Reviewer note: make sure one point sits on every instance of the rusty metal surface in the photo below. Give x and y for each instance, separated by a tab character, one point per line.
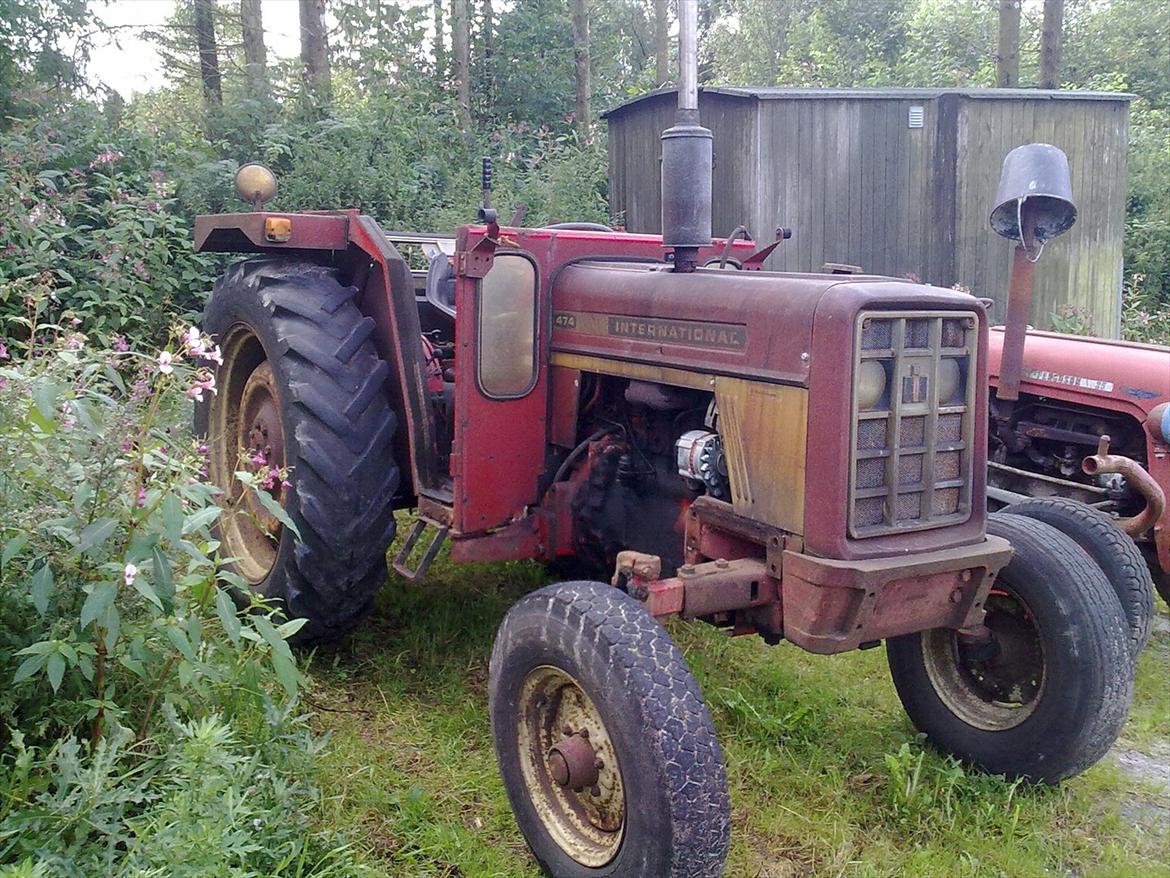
1106	374
831	606
523	538
244	232
1135	475
720	586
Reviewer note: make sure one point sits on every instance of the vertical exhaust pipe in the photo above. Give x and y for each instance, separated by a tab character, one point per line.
687	155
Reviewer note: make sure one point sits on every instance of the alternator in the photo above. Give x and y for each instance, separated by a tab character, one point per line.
699	454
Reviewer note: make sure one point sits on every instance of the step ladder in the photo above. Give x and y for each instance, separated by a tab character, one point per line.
402	559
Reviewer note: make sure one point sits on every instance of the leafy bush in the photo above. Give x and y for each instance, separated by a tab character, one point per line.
1143	318
99	222
151	726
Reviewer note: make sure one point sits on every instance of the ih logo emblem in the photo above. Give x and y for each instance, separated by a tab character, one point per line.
915	386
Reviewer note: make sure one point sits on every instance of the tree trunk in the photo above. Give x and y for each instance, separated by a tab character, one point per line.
440	41
255	55
489	63
461	49
208	53
581	53
1007	68
315	51
661	43
1051	37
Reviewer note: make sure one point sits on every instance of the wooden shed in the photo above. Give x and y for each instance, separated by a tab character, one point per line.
897	181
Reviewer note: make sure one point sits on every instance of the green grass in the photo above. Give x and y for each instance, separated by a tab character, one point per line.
827	776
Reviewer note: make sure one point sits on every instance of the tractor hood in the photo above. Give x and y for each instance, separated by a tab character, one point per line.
1127	375
755	324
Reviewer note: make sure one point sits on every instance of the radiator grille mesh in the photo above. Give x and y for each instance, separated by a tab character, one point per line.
911	454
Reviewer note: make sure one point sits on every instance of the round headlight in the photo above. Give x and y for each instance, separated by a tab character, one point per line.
1159	422
871	384
949	378
255	184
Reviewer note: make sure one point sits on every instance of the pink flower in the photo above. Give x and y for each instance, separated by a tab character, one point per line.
204	381
165	361
108	157
120	345
258	459
130	572
140	501
270	479
3	351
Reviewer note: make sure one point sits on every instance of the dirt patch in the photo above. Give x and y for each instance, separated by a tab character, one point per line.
1152	768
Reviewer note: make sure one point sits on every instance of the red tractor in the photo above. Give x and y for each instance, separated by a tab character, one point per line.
1080	427
801	457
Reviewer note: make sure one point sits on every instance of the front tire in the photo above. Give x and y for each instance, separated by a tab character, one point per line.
301	389
1047	696
607	751
1111	549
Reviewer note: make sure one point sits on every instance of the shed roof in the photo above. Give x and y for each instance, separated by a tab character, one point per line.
771	93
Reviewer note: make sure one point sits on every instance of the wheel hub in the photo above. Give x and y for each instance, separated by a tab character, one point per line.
570	767
994	681
573	762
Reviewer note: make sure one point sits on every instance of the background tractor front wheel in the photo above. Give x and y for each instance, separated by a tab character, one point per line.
301	392
607	751
1046	695
1111	549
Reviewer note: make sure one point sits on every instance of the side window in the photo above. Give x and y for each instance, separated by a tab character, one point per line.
507	327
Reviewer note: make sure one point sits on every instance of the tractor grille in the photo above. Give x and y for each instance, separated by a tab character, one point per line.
913	401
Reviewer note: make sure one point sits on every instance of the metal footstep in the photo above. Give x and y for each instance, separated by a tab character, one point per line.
401	560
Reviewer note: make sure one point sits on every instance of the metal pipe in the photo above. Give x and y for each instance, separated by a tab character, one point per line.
688	55
1019	308
1135	475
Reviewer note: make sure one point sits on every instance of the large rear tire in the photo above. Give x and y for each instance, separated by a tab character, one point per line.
302	389
1047	695
1111	549
607	751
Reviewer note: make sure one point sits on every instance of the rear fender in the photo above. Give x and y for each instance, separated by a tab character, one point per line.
356	245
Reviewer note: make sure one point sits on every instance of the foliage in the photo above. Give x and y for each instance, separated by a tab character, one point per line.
150	725
98	221
1143	318
36	60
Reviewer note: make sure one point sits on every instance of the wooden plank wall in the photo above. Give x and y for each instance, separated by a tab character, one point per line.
857	185
635	153
852	180
1082	268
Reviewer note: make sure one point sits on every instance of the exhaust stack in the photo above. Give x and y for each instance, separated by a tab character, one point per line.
687	156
